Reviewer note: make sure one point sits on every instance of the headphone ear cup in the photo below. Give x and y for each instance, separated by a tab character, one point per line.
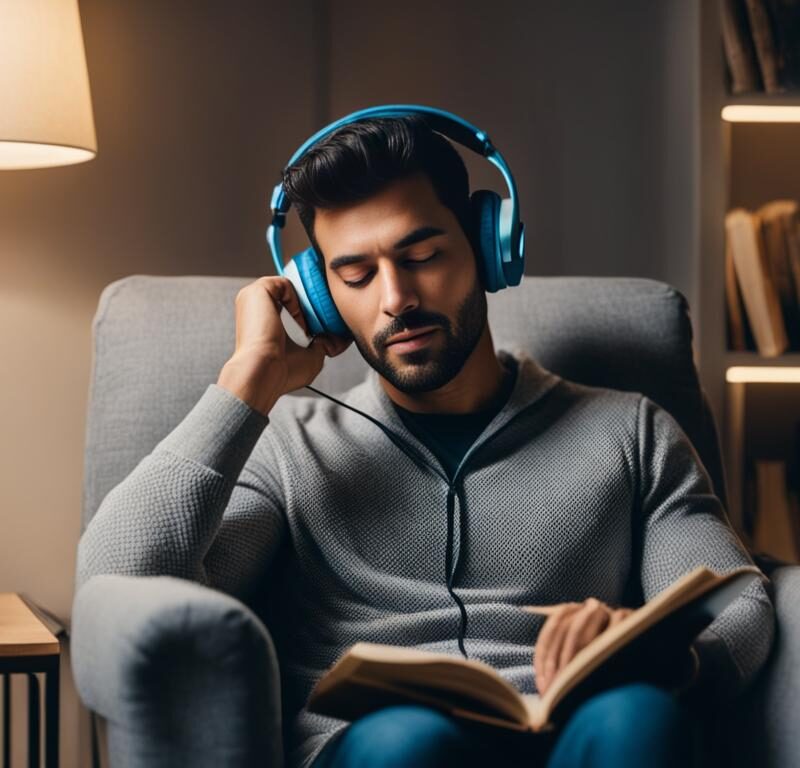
485	212
305	274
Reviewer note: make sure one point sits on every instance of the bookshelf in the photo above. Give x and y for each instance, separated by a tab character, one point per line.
767	99
753	359
755	417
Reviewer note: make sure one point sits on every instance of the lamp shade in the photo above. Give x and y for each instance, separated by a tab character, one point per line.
45	103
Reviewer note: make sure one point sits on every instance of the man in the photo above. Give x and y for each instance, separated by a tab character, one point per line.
518	487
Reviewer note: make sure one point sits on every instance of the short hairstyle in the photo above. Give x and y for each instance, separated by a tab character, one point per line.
360	158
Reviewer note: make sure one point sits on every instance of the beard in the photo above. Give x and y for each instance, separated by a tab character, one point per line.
426	369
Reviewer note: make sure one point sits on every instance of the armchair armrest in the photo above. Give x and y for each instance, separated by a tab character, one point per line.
184	674
763	730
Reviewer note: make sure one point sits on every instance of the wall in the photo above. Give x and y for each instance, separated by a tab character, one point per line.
592	104
764	163
197	107
195	111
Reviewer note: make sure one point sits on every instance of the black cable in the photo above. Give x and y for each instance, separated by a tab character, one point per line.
449	574
410	451
418	458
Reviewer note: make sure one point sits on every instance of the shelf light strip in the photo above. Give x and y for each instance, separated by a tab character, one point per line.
769	374
760	113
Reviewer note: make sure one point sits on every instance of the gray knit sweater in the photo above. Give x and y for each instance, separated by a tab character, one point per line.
570	492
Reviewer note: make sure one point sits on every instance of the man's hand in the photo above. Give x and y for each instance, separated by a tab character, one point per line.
569	628
267	363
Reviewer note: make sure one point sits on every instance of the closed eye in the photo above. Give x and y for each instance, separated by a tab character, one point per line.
363	280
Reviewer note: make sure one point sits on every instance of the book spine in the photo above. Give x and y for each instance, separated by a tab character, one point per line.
735	325
761	302
738	47
764	44
777	258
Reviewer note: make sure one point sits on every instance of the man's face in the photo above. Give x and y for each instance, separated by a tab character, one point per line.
415	271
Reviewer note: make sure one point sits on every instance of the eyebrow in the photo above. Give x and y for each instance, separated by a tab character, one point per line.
419	234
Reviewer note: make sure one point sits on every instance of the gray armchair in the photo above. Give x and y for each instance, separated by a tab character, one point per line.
179	674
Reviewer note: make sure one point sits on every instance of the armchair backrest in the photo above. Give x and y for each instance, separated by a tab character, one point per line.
159	342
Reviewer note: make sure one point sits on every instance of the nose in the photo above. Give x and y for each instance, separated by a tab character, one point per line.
398	291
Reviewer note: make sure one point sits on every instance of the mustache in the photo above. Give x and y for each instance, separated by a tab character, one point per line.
411	322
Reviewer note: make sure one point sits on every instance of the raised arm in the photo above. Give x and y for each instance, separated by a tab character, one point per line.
206	504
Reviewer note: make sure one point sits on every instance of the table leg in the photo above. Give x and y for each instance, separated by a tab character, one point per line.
6	720
33	721
51	714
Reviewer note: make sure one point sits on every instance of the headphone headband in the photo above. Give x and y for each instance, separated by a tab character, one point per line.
439	120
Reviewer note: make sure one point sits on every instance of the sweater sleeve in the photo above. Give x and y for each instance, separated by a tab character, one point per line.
203	505
683	525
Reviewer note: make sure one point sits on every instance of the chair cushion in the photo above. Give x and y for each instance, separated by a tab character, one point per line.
159	341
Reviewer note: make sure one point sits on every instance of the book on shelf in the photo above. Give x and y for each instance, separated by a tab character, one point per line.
740	334
651	643
777	515
784	16
764	40
754	276
779	224
739	49
761	43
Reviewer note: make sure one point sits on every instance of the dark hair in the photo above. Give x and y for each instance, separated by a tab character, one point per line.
359	159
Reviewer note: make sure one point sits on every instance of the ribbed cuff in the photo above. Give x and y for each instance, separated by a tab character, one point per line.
219	432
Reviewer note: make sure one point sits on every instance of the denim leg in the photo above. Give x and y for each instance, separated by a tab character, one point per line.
631	725
422	737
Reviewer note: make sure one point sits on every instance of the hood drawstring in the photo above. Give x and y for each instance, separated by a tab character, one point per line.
450	575
453	489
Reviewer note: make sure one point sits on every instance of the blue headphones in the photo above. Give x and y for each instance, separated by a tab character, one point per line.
498	230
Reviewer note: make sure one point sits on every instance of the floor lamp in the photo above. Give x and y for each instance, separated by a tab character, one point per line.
45	120
46	113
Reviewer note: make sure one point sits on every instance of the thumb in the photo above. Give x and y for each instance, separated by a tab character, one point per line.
320	344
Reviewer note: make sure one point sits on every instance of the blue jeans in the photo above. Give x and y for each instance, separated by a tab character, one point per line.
632	725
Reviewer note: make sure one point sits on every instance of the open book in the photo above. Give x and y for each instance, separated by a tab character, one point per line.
370	675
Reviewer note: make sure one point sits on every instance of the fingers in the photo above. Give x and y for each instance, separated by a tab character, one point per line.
322	344
568	629
331	345
618	615
548	643
283	293
334	345
584	627
285	296
556	643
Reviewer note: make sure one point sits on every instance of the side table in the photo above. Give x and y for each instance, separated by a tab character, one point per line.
29	644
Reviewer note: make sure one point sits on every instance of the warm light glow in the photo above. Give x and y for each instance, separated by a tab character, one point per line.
46	115
766	373
760	113
23	154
